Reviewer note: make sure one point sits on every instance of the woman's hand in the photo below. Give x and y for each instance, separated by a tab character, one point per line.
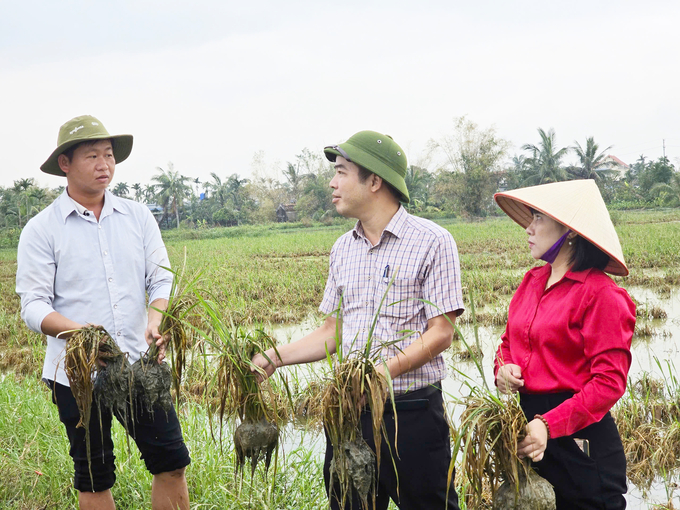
534	444
509	378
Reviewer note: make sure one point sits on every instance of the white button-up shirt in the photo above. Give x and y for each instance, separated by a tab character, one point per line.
89	271
423	259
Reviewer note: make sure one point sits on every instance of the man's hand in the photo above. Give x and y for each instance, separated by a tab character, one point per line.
535	442
152	333
509	378
268	368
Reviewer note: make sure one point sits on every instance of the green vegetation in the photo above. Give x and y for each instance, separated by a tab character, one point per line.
455	177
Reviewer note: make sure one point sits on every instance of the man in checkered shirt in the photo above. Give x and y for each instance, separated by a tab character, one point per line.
420	260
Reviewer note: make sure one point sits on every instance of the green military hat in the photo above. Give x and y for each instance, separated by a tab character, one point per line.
376	153
83	129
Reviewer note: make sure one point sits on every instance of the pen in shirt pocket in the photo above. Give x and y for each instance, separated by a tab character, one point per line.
386	274
427	268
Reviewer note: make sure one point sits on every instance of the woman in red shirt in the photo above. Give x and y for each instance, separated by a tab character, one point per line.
566	347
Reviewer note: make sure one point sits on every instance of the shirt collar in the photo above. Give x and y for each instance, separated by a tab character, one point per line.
396	225
67	205
543	274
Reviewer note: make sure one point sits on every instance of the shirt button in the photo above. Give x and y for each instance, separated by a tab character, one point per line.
369	277
115	307
118	334
110	279
368	304
100	227
106	252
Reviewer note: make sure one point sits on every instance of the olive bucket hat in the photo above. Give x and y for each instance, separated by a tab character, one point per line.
376	153
83	129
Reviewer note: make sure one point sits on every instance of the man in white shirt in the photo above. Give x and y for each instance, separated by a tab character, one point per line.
91	258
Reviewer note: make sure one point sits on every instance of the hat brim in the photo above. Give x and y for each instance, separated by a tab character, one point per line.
372	164
519	210
122	147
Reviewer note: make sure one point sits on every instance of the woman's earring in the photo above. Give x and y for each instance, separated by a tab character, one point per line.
570	243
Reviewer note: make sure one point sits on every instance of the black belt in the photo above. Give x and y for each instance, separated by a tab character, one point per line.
414	400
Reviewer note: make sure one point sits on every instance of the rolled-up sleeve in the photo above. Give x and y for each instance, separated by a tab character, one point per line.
442	291
35	277
331	295
158	274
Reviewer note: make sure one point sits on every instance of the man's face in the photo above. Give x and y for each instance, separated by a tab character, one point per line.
91	168
350	195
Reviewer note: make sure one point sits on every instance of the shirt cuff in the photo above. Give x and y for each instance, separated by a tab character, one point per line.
160	292
35	314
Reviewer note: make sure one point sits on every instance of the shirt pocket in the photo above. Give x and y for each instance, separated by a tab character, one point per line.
401	298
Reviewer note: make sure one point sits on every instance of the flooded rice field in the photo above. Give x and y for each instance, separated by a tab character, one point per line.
656	351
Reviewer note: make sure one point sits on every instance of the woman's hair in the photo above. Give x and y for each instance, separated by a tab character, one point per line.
586	255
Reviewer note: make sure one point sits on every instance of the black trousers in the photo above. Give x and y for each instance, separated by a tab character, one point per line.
424	456
595	481
158	437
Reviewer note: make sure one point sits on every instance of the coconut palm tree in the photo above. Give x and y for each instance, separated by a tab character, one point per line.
545	160
149	193
137	188
591	163
668	192
121	189
295	180
172	189
217	188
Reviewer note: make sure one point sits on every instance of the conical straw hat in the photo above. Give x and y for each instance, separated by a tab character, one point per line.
575	204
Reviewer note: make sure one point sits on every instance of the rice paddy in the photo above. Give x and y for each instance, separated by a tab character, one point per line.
263	281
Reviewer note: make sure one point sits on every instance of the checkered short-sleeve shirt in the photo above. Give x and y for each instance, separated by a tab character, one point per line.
423	259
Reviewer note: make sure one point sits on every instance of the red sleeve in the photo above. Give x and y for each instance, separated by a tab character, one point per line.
503	355
607	329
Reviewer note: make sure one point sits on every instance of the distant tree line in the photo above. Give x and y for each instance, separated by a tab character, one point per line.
456	176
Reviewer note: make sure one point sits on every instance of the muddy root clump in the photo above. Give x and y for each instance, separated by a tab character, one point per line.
113	385
153	381
255	440
355	464
533	493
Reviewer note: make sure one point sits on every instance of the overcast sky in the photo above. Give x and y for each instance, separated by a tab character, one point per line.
207	84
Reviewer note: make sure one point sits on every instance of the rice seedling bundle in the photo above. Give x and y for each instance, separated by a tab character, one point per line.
490	428
259	407
97	368
356	382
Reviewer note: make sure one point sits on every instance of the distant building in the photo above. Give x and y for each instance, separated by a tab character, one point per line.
611	162
286	212
157	212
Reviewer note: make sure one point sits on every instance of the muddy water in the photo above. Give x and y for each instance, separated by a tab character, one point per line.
663	345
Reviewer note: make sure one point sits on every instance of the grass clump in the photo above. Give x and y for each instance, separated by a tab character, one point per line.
648	418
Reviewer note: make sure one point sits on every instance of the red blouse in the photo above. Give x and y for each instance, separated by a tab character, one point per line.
573	337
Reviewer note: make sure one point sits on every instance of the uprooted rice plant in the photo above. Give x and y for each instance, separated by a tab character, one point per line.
97	369
261	408
355	382
486	438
